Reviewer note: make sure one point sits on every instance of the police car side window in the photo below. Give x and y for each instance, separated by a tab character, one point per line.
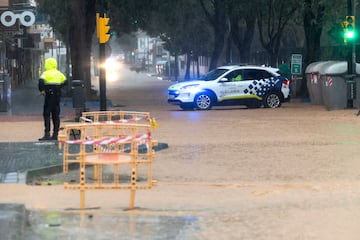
265	74
249	74
256	74
234	76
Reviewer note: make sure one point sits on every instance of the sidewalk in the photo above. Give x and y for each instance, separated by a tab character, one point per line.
21	127
21	151
26	104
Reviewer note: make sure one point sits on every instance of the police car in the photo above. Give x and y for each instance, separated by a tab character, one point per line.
252	86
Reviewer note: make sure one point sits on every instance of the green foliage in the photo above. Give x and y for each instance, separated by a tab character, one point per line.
243	23
272	18
202	27
74	21
336	33
178	24
128	16
59	12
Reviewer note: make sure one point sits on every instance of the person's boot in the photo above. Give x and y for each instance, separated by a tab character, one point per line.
45	137
54	136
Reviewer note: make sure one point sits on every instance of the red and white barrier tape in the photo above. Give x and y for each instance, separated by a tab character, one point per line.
111	140
136	119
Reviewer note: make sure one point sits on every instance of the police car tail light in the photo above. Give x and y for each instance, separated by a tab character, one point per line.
286	83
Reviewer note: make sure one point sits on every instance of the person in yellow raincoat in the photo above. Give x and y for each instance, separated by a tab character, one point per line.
50	83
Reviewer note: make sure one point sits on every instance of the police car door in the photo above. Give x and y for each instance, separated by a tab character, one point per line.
230	86
254	85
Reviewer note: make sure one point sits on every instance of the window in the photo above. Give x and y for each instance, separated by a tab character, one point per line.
236	75
256	74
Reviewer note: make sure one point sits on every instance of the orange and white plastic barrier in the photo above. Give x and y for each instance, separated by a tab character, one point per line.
118	117
118	144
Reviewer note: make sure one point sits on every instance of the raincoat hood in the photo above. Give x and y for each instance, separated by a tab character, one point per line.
50	64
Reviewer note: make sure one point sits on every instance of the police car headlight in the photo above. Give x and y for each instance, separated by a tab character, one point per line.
191	88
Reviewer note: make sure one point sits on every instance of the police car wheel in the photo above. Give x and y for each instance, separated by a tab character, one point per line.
272	100
203	101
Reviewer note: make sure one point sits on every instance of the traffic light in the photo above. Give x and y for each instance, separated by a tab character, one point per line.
349	28
102	28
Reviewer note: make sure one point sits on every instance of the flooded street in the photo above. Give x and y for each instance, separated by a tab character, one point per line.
228	173
111	225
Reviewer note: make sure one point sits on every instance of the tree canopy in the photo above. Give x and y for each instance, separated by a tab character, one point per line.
199	27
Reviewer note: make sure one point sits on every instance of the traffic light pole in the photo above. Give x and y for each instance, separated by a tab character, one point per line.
102	77
351	61
351	51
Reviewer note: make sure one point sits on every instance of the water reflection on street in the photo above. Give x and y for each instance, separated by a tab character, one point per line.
97	225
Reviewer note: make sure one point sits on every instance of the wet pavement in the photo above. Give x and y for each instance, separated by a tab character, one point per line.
212	185
12	221
95	224
110	225
19	159
24	104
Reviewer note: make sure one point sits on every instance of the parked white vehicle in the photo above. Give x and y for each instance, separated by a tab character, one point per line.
252	86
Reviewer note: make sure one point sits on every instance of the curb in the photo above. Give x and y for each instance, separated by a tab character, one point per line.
55	169
32	173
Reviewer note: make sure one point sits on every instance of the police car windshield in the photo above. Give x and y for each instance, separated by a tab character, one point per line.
214	74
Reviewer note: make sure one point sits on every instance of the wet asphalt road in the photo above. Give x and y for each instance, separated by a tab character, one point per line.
228	174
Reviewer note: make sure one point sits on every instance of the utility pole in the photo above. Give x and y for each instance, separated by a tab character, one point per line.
103	35
351	52
351	59
102	77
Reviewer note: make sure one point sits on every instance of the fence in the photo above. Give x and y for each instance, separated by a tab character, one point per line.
116	139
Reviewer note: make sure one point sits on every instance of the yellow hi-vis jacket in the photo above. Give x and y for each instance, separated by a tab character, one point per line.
51	80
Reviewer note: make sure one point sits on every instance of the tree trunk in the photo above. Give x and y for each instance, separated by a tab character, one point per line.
220	23
313	29
176	70
80	43
197	67
218	49
188	62
243	43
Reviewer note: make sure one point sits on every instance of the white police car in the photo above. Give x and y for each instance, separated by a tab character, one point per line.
252	86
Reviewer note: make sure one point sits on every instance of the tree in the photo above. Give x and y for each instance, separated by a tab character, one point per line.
129	16
272	18
75	21
313	19
316	13
177	24
168	22
216	12
243	22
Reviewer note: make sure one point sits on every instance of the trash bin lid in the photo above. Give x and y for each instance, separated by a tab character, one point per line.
316	66
333	68
310	67
330	67
320	65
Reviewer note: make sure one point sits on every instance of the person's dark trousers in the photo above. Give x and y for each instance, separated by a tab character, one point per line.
51	110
